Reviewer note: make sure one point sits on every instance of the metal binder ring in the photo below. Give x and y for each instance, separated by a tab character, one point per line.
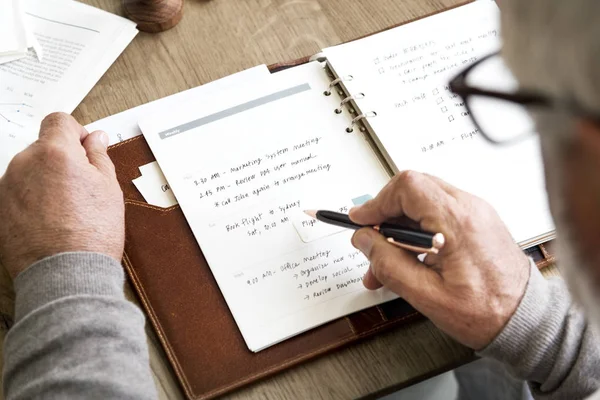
370	114
346	100
335	82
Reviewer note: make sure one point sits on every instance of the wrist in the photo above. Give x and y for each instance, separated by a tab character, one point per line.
67	274
41	246
530	334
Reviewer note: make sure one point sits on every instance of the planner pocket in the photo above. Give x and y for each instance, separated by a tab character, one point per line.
187	310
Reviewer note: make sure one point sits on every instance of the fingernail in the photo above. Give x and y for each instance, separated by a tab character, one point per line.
104	139
363	242
353	210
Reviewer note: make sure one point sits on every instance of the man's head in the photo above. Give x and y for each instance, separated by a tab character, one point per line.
553	47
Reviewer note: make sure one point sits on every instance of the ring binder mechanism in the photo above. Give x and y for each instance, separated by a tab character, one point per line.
334	82
349	100
369	114
346	100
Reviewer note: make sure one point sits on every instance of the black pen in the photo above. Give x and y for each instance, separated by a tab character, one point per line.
406	238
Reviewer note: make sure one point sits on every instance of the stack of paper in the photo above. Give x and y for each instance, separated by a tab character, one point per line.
16	36
80	43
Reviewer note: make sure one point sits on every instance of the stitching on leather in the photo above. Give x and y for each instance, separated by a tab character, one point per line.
303	357
175	361
383	316
177	366
351	325
157	326
114	146
150	206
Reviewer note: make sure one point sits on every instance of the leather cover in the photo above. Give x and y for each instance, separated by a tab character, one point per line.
185	306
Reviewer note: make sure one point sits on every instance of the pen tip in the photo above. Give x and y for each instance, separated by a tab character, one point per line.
311	213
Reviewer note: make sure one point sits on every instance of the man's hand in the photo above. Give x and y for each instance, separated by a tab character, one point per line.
60	194
473	286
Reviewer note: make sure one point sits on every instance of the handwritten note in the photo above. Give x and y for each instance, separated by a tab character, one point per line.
310	229
259	174
415	63
404	75
244	167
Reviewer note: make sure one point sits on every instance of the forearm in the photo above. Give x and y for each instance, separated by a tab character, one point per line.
75	334
549	343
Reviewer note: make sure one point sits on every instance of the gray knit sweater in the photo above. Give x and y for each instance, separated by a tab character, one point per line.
76	336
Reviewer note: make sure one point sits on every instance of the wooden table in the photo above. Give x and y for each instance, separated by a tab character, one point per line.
217	38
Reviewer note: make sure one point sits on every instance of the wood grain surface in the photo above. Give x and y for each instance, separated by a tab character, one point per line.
219	37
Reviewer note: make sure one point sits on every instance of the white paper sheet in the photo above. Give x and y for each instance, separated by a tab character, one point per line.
243	168
404	74
80	43
124	125
154	187
12	29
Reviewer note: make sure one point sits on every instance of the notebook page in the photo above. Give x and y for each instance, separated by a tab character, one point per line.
243	167
421	125
124	125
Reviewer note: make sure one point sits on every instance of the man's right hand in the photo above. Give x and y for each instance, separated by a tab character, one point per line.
473	286
59	195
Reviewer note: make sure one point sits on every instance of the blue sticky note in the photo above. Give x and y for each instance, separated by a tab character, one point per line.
357	201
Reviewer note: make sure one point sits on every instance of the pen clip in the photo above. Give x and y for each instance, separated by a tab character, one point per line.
416	249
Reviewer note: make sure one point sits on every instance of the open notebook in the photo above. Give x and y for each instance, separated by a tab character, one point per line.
245	164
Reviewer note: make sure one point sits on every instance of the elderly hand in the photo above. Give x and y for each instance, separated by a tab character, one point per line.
473	286
58	195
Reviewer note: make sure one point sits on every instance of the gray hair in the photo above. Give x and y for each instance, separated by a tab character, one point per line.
554	46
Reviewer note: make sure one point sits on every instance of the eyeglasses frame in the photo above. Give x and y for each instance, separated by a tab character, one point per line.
459	86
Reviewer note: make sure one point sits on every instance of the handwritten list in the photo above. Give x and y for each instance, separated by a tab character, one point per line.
404	74
259	175
243	182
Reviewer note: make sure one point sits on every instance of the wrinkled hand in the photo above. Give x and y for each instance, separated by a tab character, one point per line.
473	286
60	194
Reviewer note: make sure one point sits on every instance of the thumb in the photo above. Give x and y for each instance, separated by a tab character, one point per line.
397	269
95	145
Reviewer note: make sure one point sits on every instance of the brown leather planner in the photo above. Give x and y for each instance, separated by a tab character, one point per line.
188	312
184	305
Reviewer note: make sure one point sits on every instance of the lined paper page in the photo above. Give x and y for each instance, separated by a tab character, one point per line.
404	75
243	167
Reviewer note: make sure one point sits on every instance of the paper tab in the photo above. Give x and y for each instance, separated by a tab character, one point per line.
154	187
310	229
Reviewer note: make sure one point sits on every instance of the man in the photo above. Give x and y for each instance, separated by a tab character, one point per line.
61	239
62	235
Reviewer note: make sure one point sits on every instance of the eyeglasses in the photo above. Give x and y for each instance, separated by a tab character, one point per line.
502	112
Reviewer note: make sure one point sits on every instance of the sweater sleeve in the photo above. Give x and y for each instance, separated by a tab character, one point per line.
75	334
549	343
